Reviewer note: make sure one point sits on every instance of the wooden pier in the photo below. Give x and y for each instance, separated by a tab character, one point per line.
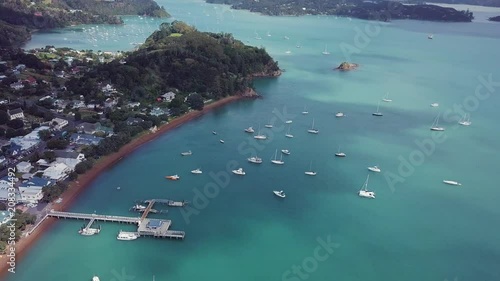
145	227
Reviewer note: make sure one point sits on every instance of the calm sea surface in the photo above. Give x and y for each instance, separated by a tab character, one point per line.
416	229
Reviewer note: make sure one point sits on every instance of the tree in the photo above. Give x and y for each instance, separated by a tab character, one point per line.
195	101
78	116
57	144
2	132
49	156
15	124
45	135
4	117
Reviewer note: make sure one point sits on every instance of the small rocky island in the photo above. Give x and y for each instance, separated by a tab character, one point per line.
345	66
497	19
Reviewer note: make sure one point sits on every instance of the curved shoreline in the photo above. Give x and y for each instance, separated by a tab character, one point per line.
83	181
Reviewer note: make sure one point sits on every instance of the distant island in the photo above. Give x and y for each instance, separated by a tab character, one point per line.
19	18
486	3
373	10
497	18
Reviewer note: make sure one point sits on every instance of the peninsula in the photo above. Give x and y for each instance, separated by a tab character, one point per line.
67	115
497	18
370	10
19	18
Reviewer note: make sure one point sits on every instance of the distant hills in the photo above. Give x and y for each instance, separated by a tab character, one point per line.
488	3
373	10
19	17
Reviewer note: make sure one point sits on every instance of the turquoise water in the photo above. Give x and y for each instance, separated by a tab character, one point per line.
416	229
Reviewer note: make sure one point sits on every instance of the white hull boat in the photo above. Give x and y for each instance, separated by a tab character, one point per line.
187	153
339	114
127	236
279	193
434	104
465	121
249	130
239	172
255	160
276	161
364	192
285	151
435	125
452	182
196	172
375	169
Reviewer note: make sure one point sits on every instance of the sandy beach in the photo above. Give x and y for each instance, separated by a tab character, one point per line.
76	187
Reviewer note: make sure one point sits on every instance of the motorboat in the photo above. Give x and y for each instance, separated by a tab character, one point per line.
279	193
430	36
95	278
452	182
139	207
186	153
288	121
239	172
434	104
250	130
285	151
260	137
127	236
173	177
118	188
214	132
268	126
339	114
364	192
255	160
196	171
375	169
221	141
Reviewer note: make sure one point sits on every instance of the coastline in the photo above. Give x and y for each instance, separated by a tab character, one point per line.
83	181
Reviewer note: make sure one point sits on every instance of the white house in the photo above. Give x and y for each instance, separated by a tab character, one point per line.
16	114
30	195
168	97
60	123
23	167
56	172
17	85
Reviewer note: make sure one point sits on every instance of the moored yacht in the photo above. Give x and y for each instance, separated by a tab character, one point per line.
312	130
339	114
255	160
452	182
465	121
339	153
363	192
173	177
186	153
435	125
276	161
221	141
239	172
377	113
268	125
375	169
310	172
386	98
285	151
434	104
249	130
95	278
288	121
279	193
127	236
196	171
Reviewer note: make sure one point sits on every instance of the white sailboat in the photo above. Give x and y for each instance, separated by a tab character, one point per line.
377	113
257	36
310	172
312	130
363	192
435	125
339	153
268	34
386	98
298	46
288	134
249	130
276	161
260	136
465	121
325	52
305	111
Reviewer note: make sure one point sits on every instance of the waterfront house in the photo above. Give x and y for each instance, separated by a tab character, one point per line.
110	102
16	113
56	172
59	123
159	111
168	97
36	183
85	139
23	167
92	128
17	85
30	195
131	121
69	154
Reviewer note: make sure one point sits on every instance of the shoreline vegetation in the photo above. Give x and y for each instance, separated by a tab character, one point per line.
76	187
19	19
497	19
205	70
376	10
